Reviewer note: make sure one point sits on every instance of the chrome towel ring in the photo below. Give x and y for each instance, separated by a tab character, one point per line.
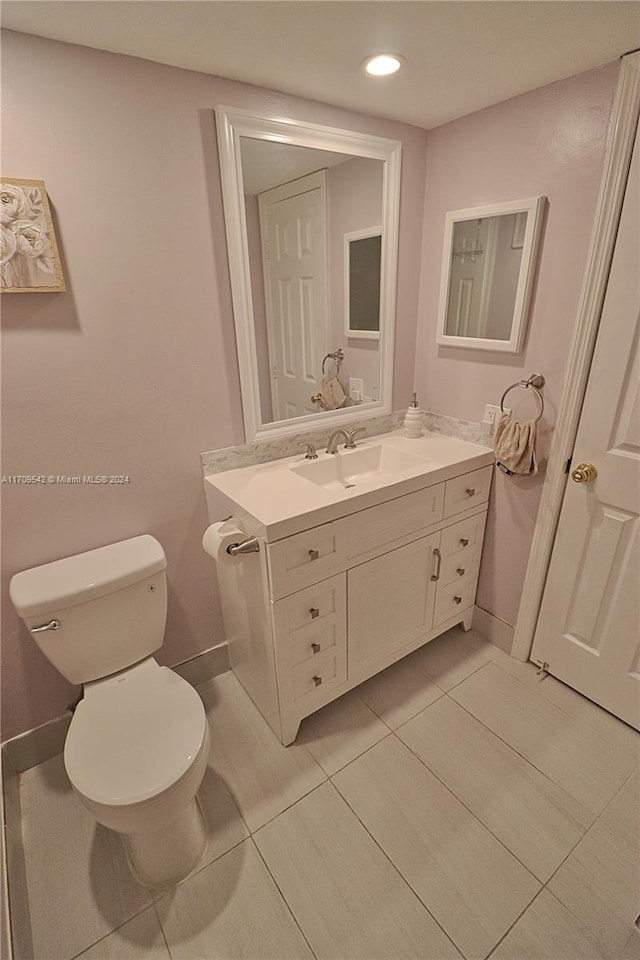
337	356
535	381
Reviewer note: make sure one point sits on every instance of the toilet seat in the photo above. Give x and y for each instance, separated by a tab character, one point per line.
134	735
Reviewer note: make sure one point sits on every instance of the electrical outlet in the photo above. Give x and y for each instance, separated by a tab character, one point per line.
492	413
356	389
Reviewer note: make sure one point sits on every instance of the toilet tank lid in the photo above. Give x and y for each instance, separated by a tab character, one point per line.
85	576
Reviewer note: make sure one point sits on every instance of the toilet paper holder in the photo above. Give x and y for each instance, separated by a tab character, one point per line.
250	545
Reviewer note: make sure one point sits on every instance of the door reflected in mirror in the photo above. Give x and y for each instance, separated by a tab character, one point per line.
487	276
314	327
300	205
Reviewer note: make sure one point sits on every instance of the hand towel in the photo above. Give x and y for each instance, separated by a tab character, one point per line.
515	446
333	396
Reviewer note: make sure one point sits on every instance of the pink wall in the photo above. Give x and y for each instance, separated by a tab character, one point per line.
133	370
551	142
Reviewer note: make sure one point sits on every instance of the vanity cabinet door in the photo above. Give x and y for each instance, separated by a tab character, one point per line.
390	602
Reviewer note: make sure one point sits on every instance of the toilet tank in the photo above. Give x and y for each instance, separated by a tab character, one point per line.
110	603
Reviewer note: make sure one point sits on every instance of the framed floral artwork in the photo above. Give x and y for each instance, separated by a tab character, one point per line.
29	259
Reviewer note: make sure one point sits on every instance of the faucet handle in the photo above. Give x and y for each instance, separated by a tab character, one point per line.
311	450
351	434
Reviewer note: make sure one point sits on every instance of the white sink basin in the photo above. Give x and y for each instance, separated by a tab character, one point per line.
379	464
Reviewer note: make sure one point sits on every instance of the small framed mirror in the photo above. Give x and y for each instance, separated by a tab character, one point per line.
362	253
488	271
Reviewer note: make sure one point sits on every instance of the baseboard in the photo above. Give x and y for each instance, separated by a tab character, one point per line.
38	745
46	741
16	919
493	629
205	665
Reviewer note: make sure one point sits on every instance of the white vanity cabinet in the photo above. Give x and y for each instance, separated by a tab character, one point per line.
318	612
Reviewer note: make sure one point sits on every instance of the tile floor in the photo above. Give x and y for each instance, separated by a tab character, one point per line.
454	806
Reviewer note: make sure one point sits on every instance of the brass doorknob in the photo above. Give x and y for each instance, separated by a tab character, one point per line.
584	473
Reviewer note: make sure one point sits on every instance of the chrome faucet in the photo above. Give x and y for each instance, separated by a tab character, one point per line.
350	444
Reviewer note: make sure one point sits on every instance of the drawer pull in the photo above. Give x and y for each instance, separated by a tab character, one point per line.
457	599
315	613
314	554
317	680
438	556
460	571
470	491
315	647
464	541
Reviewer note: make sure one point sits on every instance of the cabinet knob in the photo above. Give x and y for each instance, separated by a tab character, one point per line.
464	541
457	599
470	491
315	613
460	571
315	647
314	554
317	680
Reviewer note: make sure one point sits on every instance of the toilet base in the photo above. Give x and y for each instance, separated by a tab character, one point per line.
162	858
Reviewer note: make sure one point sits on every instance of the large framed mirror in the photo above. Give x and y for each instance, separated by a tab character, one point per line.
292	193
488	270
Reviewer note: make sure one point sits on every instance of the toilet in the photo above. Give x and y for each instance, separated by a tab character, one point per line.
137	747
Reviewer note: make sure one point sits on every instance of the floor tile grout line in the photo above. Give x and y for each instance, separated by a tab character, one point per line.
395	868
581	715
164	936
357	757
469	810
587	832
368	706
203	866
288	806
284	899
530	762
517	920
441	693
115	929
423	671
585	709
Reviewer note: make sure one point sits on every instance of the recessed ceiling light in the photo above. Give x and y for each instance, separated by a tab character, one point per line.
383	64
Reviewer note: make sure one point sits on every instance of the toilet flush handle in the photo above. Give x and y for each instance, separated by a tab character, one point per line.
52	625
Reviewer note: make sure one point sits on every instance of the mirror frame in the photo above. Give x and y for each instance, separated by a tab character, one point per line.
232	124
534	207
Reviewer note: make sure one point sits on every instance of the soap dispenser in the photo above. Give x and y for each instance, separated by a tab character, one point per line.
414	420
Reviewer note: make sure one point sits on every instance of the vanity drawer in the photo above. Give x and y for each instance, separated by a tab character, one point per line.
310	643
469	490
386	524
455	568
452	598
463	539
306	558
312	681
315	617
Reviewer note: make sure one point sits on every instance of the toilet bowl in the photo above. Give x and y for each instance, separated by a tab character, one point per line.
135	754
137	747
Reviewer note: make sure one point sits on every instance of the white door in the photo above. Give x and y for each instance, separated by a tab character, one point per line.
589	625
471	277
293	229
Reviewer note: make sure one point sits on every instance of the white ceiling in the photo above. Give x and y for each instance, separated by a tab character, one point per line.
462	54
266	164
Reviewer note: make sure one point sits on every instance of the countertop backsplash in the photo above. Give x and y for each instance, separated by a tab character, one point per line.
263	451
